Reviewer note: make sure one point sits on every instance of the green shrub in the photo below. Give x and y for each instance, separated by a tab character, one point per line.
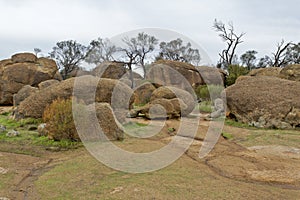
59	119
205	106
234	72
205	92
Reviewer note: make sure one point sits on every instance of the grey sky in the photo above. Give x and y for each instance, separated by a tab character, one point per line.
26	24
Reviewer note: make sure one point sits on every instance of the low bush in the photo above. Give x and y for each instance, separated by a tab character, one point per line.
59	119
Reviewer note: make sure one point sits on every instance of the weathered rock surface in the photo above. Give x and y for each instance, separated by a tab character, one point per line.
23	69
183	75
267	102
25	92
173	93
291	72
47	83
89	89
166	102
107	121
270	71
142	93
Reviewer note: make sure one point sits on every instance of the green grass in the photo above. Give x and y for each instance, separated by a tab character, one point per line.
231	122
28	138
205	106
273	137
227	136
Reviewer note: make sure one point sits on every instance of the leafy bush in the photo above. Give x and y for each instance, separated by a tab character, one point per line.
205	92
234	72
59	119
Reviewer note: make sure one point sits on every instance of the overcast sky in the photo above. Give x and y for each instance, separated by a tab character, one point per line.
26	24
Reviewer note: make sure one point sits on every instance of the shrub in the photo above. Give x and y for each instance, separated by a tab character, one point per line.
234	72
205	92
59	119
205	106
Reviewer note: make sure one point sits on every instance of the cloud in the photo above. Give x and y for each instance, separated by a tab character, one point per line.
27	24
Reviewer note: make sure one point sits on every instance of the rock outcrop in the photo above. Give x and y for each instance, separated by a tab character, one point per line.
270	71
183	75
166	102
89	89
23	69
290	72
25	92
142	93
263	101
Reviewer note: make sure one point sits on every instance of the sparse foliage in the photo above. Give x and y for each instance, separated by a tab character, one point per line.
37	51
280	58
231	39
234	72
69	54
103	51
293	54
177	51
248	59
145	45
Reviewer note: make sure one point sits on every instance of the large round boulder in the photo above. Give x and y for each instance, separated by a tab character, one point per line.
24	93
96	120
142	93
170	93
23	69
263	101
183	75
89	89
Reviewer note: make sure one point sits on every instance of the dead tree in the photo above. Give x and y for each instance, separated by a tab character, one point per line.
232	40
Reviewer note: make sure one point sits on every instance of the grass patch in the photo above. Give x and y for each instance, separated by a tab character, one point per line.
205	106
273	137
234	123
27	140
227	136
32	138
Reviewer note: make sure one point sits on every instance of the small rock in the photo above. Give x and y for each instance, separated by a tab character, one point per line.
13	133
42	130
3	171
2	128
117	189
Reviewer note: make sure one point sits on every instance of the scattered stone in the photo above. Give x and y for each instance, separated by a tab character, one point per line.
41	129
13	133
2	128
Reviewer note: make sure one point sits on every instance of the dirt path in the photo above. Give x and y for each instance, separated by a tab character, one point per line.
271	165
